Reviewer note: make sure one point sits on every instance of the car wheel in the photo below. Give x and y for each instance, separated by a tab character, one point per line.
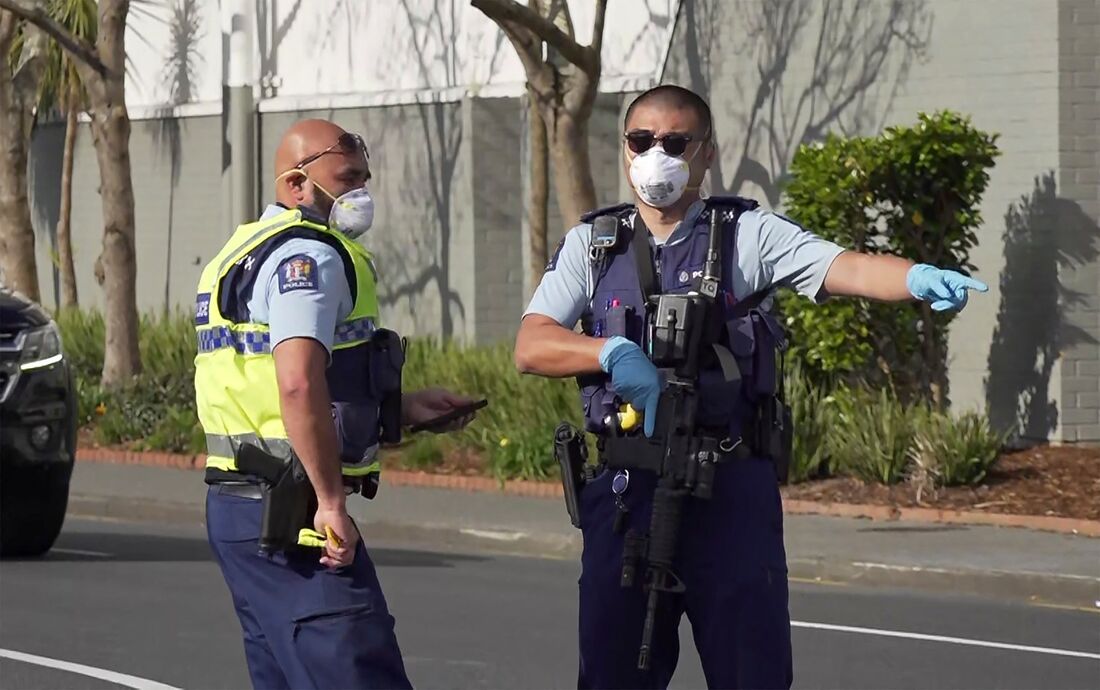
31	514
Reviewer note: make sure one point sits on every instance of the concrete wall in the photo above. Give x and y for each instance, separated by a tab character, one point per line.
423	234
429	201
176	167
784	72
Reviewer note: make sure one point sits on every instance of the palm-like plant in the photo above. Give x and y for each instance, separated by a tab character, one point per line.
61	89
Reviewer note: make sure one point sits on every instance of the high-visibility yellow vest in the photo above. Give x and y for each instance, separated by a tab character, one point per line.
235	387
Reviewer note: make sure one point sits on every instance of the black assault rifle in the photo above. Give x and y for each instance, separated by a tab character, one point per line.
684	462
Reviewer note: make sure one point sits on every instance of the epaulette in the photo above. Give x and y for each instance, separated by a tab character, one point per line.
739	203
606	211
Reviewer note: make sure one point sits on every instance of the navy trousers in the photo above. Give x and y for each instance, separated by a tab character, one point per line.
732	561
304	626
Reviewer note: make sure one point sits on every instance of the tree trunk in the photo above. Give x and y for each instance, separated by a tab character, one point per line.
111	135
64	220
17	260
121	359
572	170
18	94
540	188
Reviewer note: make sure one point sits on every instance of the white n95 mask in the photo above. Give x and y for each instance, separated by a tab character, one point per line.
352	213
658	178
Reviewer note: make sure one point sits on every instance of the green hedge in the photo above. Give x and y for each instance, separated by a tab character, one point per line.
912	191
841	430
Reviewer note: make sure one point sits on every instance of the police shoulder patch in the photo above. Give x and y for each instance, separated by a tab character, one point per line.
553	263
298	273
202	309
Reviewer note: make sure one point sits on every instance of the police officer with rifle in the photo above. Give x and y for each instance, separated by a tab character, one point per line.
681	368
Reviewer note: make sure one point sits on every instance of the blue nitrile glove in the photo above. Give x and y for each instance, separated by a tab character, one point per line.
944	289
635	378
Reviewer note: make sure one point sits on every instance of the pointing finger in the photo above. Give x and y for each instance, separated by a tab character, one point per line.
973	284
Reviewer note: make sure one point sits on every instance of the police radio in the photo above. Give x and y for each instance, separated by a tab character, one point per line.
605	235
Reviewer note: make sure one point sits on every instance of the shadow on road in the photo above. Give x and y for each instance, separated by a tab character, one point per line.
145	548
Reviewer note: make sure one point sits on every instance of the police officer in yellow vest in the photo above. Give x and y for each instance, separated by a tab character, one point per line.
286	365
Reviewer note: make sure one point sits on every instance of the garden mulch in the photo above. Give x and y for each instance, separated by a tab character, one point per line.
1052	481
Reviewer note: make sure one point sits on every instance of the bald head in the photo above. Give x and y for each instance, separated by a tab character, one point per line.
333	171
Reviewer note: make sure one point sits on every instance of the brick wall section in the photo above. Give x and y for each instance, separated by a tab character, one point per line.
1079	192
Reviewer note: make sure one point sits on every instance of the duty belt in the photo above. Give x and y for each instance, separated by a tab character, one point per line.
640	453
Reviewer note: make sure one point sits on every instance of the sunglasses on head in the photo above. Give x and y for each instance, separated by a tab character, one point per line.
347	143
674	144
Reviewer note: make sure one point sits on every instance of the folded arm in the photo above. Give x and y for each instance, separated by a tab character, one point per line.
545	347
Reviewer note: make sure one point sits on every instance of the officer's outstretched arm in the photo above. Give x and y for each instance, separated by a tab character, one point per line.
875	276
894	279
546	348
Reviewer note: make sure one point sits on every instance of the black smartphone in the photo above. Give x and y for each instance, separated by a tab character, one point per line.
442	420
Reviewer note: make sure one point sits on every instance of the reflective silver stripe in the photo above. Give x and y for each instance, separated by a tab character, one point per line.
269	227
226	446
369	456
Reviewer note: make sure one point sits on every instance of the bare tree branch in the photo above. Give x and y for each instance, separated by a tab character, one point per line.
79	49
597	29
528	48
502	11
7	31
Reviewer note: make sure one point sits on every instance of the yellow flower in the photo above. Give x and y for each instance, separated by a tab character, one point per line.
101	409
504	442
917	219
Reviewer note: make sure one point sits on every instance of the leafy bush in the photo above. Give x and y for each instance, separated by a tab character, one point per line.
954	451
814	416
156	411
871	435
915	192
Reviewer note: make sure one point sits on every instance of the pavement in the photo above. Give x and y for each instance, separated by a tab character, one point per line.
992	562
131	604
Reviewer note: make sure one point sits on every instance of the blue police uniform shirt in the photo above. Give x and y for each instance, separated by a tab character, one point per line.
770	251
300	290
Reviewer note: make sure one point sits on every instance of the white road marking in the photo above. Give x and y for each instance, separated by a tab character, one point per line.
498	535
90	671
943	638
922	569
81	552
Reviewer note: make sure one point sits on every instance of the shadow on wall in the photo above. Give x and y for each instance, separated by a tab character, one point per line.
409	271
1044	235
782	73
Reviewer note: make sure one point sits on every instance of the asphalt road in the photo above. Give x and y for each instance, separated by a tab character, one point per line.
146	601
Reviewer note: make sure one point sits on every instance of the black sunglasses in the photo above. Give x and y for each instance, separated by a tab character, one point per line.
347	143
641	140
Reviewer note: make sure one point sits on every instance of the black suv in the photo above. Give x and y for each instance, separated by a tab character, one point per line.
37	427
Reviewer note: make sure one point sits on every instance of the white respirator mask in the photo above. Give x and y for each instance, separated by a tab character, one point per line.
352	213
